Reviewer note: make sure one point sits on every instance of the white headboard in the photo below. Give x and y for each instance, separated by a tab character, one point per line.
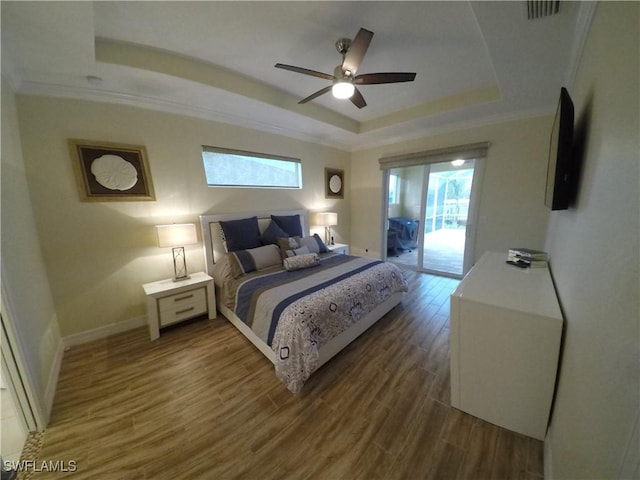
212	232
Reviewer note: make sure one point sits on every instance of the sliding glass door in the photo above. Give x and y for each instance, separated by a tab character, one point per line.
429	216
446	217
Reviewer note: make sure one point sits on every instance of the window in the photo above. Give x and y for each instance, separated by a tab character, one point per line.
235	168
394	189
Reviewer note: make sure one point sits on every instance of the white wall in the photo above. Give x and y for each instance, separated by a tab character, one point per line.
24	277
99	254
512	207
595	261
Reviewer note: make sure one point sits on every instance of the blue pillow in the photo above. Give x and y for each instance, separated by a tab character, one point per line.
241	234
289	223
272	233
321	246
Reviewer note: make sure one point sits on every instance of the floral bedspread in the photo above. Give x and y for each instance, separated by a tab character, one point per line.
305	309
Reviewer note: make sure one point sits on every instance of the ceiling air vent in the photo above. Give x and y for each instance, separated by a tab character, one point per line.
542	8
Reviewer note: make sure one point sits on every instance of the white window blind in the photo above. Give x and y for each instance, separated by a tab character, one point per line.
462	152
236	168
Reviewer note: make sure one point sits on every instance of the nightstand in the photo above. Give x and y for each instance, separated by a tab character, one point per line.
169	302
342	248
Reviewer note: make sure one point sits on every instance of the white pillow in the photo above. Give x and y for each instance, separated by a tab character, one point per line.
245	261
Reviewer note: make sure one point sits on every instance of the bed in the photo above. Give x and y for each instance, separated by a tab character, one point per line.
297	302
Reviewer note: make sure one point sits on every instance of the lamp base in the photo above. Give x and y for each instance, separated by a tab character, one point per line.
181	279
328	239
179	265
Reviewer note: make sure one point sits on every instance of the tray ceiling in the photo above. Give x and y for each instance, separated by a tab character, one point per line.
475	61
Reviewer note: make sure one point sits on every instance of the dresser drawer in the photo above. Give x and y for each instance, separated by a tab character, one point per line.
180	306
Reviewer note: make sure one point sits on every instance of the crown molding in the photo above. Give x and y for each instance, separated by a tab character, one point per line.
167	106
358	142
453	127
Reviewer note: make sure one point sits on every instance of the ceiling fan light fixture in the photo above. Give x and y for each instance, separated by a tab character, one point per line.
342	89
344	78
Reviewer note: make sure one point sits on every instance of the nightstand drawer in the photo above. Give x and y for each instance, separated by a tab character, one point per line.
181	306
173	302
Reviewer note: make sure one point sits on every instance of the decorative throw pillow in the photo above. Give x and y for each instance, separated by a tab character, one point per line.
245	261
287	244
314	244
241	234
272	233
297	251
301	261
289	223
323	248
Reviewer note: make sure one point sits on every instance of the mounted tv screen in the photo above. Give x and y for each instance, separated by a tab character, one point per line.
560	168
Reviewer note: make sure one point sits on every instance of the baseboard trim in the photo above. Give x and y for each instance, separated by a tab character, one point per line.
103	332
77	339
54	373
546	456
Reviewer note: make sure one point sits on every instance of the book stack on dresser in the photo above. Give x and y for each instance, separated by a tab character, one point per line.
527	258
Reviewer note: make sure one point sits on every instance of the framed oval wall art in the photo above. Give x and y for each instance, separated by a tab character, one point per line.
334	183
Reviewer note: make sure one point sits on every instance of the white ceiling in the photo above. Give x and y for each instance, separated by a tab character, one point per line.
476	62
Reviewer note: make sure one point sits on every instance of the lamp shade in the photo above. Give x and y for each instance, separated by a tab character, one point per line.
326	219
176	235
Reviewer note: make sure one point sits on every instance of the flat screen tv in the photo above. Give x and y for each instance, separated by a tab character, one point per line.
561	156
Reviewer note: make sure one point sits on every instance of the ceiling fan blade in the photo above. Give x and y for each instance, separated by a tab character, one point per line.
389	77
304	71
316	95
355	54
357	99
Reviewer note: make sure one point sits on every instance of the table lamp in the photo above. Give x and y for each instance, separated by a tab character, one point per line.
177	236
327	220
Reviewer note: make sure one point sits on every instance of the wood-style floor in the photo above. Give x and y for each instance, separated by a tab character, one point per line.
203	403
443	252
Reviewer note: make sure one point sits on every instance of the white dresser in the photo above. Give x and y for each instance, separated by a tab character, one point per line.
506	327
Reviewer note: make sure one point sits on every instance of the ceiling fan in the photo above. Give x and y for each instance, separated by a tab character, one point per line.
344	76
